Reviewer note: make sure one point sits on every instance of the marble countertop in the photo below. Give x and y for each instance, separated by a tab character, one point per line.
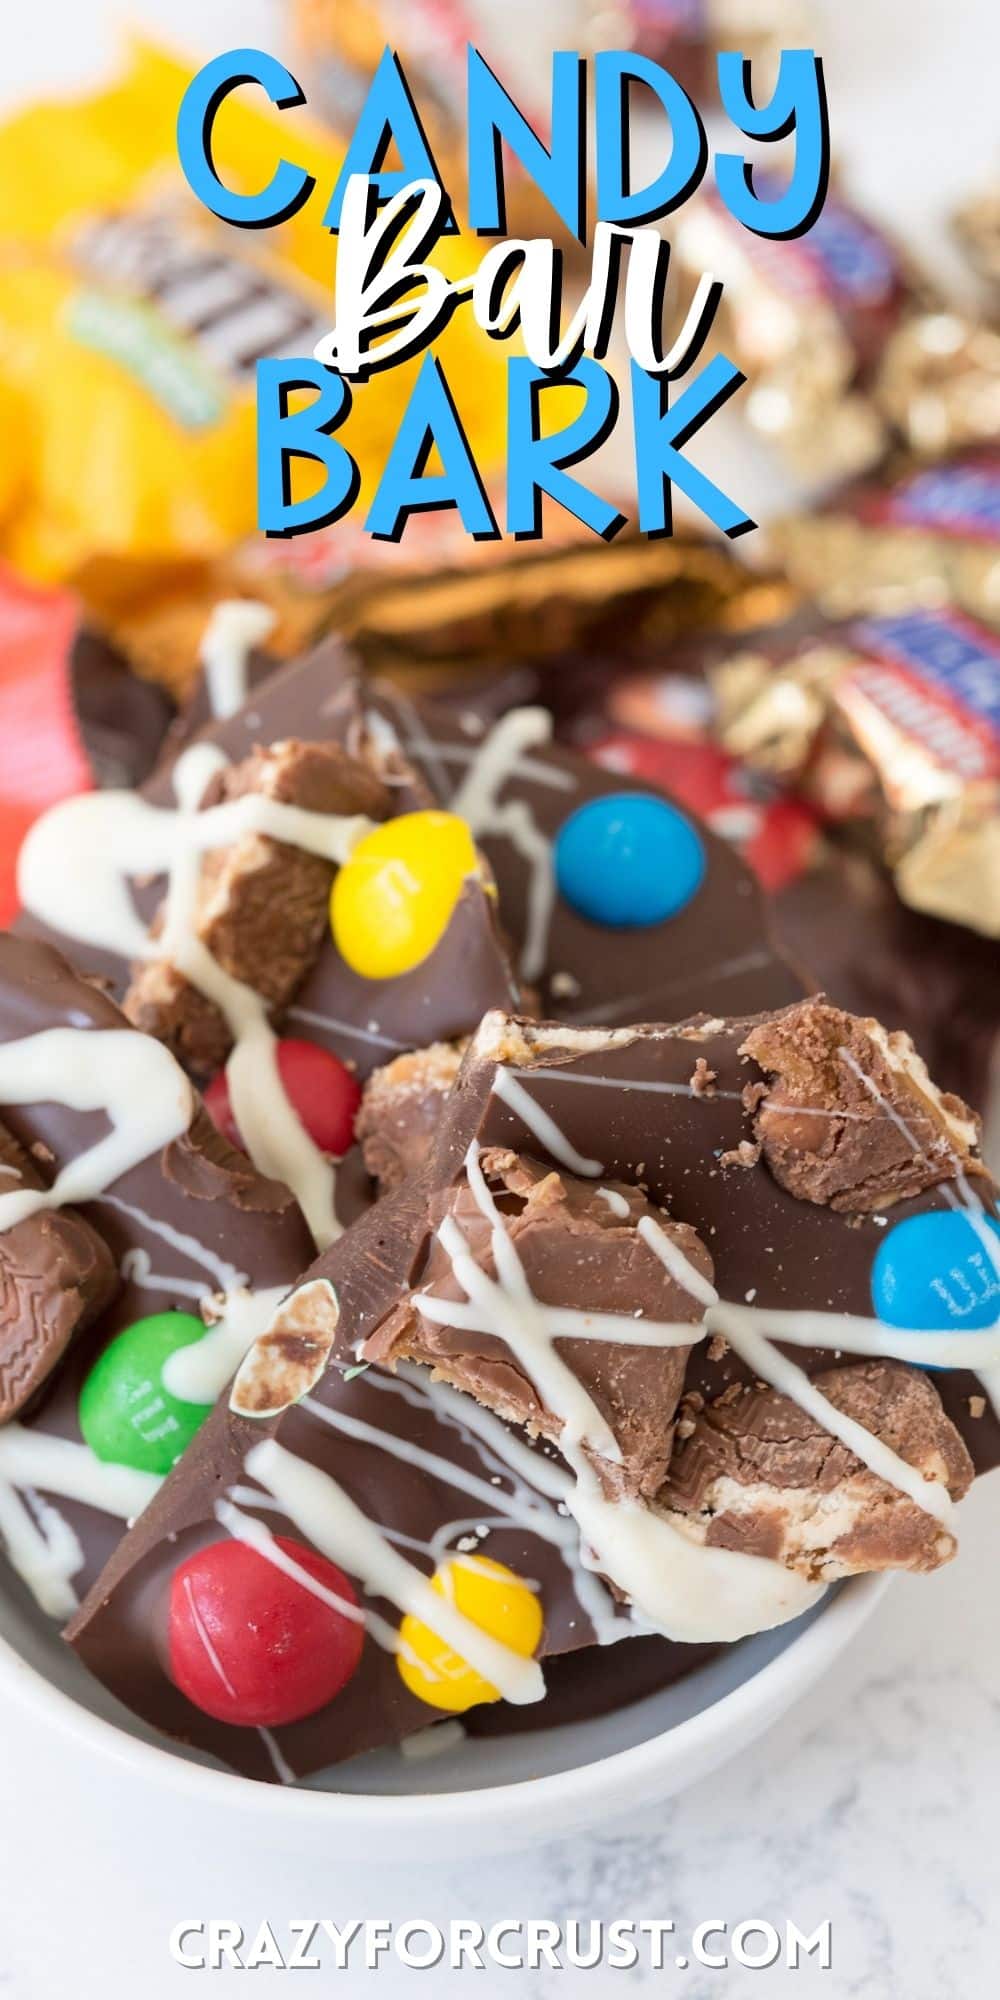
872	1804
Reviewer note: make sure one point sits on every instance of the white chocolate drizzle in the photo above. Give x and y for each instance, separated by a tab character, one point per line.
198	1373
135	1081
539	1122
335	1526
236	625
41	1545
477	801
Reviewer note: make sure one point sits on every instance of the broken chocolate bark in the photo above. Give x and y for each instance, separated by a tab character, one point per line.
579	1248
789	1144
579	1255
189	1224
714	952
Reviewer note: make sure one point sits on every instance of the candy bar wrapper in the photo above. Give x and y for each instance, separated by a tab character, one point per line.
919	535
938	385
72	714
977	227
342	41
808	320
890	724
131	324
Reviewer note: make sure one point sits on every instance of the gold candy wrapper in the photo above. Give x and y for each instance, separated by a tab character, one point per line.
939	384
977	226
808	321
925	535
891	728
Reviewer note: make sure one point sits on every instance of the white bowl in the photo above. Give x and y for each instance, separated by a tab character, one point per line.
552	1781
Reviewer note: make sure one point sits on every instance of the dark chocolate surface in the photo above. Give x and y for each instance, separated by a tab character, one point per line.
714	954
630	1105
198	1189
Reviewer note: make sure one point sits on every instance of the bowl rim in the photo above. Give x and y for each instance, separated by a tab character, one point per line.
748	1708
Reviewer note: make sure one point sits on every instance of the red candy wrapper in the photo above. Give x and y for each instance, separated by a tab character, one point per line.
44	758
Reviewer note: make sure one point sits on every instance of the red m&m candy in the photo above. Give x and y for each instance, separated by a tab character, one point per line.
250	1644
325	1094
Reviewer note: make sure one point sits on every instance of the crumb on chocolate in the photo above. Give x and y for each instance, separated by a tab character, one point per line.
702	1080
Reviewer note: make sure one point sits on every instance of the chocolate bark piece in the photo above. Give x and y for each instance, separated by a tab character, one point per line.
631	1100
323	701
122	719
400	1109
56	1275
262	905
753	1471
623	1098
714	953
400	1450
178	1228
578	1247
851	1117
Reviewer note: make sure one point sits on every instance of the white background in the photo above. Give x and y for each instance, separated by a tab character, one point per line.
875	1803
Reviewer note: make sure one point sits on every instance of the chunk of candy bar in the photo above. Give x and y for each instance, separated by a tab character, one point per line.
755	1472
156	1220
550	1258
400	1110
56	1275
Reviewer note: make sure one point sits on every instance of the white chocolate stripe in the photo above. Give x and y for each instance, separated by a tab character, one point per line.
134	1080
323	1511
540	1124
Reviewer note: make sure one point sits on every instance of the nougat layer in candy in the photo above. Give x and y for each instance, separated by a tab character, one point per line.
816	1161
624	1180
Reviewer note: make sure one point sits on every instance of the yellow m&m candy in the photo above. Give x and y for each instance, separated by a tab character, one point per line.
490	1596
392	901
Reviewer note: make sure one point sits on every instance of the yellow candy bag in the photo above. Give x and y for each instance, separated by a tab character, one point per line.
131	321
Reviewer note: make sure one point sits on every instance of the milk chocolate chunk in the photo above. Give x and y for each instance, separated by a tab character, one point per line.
758	1474
851	1117
321	704
176	1232
593	1237
578	1247
400	1109
262	904
796	1226
56	1275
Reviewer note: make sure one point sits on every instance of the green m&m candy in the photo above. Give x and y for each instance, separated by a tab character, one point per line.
126	1415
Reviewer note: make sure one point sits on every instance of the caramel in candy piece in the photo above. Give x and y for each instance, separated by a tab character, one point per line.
400	1109
752	1471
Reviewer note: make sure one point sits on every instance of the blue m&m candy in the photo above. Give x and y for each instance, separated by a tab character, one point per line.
628	860
934	1273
